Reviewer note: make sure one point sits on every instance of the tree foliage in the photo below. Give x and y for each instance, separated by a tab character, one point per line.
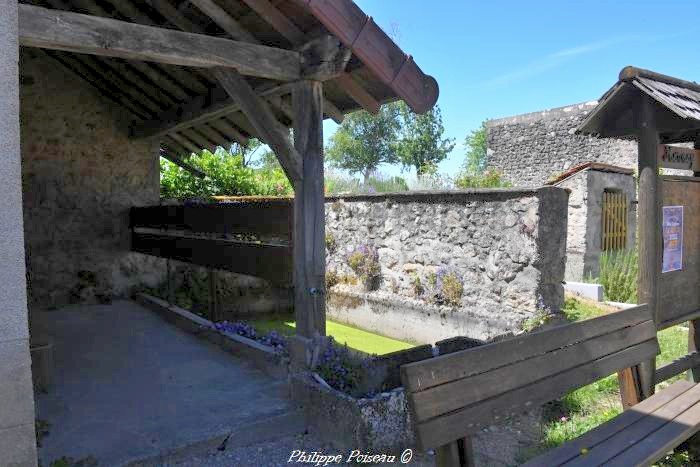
421	144
364	141
227	173
476	143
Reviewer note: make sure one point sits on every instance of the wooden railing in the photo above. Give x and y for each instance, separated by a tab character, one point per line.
252	238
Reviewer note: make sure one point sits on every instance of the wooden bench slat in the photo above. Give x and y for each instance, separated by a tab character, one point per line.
638	431
572	449
464	392
447	428
654	446
423	375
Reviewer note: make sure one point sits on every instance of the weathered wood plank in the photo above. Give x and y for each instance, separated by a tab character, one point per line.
463	392
224	20
694	348
74	32
678	366
420	376
217	103
628	380
262	219
264	121
447	428
270	262
590	439
639	432
277	20
309	217
358	93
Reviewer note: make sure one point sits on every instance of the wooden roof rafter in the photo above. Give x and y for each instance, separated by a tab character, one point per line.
167	86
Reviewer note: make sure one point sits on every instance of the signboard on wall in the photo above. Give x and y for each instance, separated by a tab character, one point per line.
676	157
679	294
673	238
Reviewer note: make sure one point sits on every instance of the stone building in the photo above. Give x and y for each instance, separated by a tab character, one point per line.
533	148
543	147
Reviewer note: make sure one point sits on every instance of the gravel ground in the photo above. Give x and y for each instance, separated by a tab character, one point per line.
277	453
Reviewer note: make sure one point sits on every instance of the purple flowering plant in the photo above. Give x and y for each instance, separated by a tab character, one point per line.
340	368
446	287
364	261
273	339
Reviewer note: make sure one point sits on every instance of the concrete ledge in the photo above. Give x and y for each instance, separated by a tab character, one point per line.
16	400
380	424
583	289
411	320
263	357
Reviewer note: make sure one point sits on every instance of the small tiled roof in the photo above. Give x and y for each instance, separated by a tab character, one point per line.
589	166
679	98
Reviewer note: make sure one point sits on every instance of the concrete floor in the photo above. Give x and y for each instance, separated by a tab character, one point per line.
127	386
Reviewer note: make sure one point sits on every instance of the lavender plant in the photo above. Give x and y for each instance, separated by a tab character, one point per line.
444	287
273	339
364	261
339	368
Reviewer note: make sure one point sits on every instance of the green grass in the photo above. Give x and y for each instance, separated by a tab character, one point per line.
355	338
592	405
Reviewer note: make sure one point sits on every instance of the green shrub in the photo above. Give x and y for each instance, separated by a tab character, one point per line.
451	287
618	275
486	179
364	261
331	242
227	175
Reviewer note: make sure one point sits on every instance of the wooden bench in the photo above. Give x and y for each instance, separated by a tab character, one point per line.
453	396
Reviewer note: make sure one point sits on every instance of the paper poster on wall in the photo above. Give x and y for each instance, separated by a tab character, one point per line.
673	238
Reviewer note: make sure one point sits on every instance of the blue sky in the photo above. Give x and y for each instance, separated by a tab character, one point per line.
495	58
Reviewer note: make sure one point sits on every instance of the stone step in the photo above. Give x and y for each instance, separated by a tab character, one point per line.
254	431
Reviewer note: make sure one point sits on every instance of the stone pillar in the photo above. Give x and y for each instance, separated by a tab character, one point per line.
17	438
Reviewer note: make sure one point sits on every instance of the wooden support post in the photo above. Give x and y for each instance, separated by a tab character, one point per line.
649	225
309	213
629	387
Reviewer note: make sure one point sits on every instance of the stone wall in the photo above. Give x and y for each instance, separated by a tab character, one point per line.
507	245
81	174
532	148
584	233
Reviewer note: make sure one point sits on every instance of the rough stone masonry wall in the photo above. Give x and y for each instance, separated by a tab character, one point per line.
81	174
508	245
532	148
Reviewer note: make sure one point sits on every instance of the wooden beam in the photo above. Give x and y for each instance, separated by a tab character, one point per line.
217	103
309	214
262	119
182	164
358	93
277	20
649	222
74	32
224	20
324	58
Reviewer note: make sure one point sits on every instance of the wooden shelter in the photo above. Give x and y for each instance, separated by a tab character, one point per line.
658	110
203	73
194	74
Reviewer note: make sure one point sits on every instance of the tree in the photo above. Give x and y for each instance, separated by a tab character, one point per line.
421	144
476	143
227	174
364	141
